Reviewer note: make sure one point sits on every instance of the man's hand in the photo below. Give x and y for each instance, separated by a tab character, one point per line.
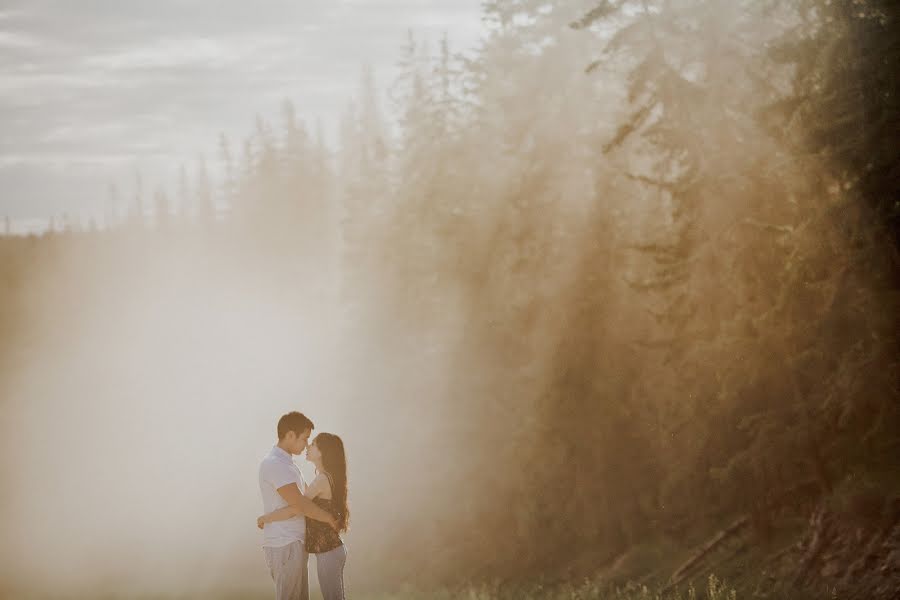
261	521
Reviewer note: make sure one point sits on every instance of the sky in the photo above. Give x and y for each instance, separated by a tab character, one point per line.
94	91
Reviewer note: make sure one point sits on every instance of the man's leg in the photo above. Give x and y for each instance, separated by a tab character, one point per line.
287	565
304	572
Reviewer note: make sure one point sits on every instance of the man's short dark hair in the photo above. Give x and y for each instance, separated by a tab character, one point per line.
293	421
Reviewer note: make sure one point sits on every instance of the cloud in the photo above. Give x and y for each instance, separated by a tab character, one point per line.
166	53
18	41
136	80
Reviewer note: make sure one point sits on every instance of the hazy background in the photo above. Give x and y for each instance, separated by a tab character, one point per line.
581	284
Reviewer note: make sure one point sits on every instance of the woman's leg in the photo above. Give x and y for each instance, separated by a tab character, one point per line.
330	568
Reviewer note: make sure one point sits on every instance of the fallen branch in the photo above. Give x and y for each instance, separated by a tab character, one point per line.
708	547
820	539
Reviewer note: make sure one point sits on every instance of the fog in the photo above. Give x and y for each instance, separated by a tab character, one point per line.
143	379
141	392
137	415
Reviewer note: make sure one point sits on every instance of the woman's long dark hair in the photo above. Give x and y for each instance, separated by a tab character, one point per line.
334	462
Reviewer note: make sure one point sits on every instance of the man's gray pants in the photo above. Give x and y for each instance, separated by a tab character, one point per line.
289	568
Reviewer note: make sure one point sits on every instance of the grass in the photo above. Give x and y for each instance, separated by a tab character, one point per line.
715	589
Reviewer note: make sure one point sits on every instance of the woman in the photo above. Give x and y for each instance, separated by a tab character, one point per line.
329	491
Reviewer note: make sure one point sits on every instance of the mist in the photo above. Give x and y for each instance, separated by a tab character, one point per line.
612	287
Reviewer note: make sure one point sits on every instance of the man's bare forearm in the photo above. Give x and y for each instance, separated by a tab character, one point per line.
303	505
282	514
289	512
310	509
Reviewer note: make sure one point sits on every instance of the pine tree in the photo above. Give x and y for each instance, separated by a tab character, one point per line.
267	157
136	215
186	203
203	193
112	212
296	142
162	210
844	105
229	184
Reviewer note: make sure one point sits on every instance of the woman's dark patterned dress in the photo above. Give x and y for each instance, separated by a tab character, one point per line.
320	537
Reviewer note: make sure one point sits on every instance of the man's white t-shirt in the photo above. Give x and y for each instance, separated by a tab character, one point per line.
276	470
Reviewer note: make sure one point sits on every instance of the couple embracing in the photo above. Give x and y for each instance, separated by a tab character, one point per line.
303	519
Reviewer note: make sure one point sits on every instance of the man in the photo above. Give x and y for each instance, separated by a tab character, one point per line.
281	484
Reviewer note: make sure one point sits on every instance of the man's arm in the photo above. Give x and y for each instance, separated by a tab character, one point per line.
289	512
303	505
282	514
